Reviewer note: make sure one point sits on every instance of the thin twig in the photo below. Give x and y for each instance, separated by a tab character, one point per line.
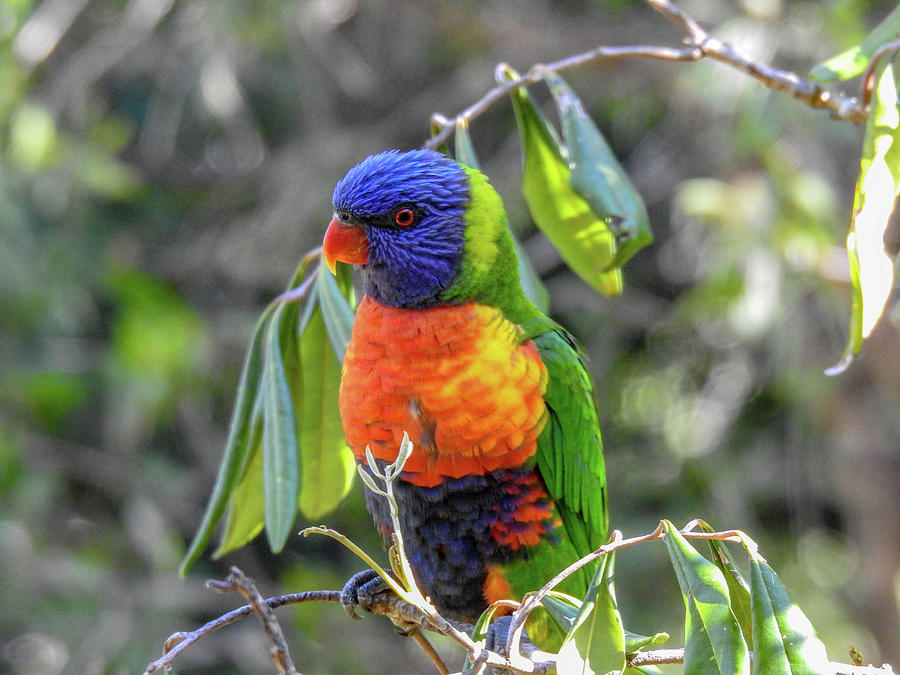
429	650
178	642
868	82
698	44
240	582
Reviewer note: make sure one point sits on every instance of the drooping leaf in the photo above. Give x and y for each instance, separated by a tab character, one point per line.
713	643
583	238
784	640
327	464
596	641
236	445
563	608
281	468
246	508
480	631
738	588
597	175
635	642
871	267
532	285
853	61
336	300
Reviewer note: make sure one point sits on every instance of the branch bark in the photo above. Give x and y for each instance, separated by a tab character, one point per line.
698	44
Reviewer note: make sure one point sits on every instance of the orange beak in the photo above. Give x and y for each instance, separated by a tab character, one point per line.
347	243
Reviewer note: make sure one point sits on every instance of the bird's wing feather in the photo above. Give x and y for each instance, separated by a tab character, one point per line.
570	449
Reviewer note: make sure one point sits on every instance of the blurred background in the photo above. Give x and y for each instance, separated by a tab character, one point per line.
165	163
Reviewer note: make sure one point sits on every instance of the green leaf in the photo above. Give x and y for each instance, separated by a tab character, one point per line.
236	446
871	267
644	670
479	632
583	238
784	640
713	641
853	61
597	175
463	149
336	301
246	508
563	608
738	589
635	642
596	641
281	469
327	463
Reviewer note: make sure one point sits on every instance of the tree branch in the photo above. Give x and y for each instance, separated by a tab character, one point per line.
240	582
697	45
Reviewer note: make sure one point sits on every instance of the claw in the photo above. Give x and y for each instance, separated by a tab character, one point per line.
360	590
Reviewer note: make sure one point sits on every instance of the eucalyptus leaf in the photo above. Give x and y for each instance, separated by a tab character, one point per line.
635	642
246	508
480	631
871	267
236	445
853	61
583	238
281	469
784	640
596	641
713	642
738	588
327	463
598	176
336	300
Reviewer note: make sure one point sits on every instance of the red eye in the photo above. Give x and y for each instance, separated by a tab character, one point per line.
405	217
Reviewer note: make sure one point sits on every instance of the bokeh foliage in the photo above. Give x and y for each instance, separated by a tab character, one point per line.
163	166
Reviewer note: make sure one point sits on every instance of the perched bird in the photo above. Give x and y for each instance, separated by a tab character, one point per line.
505	486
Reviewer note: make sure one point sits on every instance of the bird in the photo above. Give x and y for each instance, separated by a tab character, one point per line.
505	486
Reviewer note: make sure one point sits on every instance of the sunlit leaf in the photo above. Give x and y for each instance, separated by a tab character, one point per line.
236	445
326	461
596	641
532	285
597	175
563	608
246	508
738	588
281	469
583	238
635	642
713	641
336	300
784	640
871	267
480	631
853	61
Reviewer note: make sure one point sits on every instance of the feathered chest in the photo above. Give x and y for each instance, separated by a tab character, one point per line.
458	379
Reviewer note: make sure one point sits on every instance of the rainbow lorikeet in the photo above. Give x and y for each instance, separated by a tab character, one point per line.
505	486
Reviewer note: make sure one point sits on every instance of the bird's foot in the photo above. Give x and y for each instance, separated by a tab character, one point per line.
366	590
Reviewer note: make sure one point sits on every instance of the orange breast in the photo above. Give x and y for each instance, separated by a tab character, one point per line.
457	379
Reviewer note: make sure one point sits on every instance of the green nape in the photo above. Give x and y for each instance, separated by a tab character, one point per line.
489	271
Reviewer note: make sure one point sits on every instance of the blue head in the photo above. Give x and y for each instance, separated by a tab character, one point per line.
401	215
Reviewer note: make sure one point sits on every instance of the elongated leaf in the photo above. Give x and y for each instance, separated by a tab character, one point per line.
853	61
236	445
532	285
871	267
480	631
582	237
738	588
713	642
563	608
635	642
596	641
597	175
336	301
281	469
784	640
246	508
327	463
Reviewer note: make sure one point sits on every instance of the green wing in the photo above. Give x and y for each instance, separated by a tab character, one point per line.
570	450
